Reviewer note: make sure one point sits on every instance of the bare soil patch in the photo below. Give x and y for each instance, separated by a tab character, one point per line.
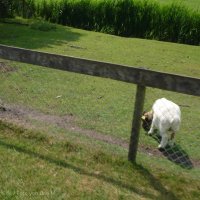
23	116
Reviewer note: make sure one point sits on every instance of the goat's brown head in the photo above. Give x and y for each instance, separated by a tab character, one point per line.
147	118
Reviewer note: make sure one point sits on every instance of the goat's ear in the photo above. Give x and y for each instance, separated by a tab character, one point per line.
143	118
144	112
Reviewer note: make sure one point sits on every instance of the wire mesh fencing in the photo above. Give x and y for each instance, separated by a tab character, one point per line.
175	124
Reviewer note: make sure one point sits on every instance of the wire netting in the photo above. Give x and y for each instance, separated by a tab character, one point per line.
184	151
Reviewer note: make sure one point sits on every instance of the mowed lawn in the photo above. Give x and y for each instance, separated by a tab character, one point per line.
97	104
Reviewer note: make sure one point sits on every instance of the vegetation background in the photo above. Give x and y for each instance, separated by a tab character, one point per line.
173	22
45	150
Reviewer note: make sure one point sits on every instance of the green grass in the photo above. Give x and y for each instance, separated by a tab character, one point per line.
182	59
194	4
35	165
105	97
99	104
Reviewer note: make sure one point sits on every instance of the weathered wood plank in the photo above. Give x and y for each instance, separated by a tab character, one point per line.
171	82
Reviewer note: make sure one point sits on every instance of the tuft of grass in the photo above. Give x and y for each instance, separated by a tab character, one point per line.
23	133
42	25
69	147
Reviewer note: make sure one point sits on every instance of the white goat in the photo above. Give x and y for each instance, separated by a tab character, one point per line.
165	116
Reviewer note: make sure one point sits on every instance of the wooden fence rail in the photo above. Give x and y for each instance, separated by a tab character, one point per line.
140	76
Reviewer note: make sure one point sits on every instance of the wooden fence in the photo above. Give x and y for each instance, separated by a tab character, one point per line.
140	76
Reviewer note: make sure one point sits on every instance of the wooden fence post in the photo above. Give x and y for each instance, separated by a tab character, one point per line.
139	104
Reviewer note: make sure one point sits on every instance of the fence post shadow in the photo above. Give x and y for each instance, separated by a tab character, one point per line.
175	154
155	183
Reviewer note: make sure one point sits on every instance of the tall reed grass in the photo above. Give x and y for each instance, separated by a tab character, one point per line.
129	18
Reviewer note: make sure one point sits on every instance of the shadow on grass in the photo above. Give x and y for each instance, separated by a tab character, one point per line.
25	37
175	154
153	182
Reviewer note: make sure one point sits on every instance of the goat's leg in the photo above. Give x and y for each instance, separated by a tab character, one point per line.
151	131
171	141
163	142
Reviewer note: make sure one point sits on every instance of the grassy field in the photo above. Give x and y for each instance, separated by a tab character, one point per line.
37	166
100	105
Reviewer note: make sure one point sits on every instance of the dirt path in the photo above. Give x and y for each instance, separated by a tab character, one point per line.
23	116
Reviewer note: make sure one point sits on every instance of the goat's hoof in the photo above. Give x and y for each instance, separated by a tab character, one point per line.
150	133
160	147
